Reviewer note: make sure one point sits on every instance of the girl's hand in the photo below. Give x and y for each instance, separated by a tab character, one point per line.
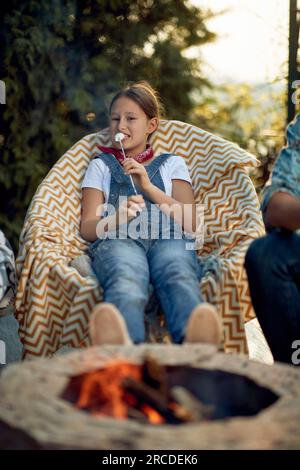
130	208
139	173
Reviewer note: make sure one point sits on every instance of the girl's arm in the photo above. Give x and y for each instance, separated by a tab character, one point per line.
92	202
181	206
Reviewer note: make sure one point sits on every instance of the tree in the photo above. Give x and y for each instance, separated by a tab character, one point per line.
61	63
250	115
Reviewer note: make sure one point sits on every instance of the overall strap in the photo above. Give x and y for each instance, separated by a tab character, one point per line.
116	169
153	167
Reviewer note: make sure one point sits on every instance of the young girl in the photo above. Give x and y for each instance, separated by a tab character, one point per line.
126	260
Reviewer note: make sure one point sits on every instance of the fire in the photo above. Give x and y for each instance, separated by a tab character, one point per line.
101	392
144	392
153	416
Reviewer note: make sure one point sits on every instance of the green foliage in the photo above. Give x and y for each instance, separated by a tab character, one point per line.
62	61
252	116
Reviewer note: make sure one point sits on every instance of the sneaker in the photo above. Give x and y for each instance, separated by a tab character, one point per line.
204	325
107	326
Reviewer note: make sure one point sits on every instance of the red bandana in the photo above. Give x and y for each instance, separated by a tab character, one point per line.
141	157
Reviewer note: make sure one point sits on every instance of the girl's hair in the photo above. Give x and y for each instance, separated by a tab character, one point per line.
145	96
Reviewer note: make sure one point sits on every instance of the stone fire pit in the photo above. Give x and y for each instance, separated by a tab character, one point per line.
31	402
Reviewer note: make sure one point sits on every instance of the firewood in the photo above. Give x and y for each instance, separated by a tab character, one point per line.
154	374
197	410
149	396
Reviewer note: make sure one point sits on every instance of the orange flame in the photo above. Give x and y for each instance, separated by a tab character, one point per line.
102	394
153	416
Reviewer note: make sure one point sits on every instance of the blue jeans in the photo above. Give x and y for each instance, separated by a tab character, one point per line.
273	267
125	267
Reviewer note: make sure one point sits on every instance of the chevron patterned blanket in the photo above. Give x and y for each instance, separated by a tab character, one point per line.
8	281
54	301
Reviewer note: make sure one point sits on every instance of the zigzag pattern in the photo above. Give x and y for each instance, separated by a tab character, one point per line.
54	301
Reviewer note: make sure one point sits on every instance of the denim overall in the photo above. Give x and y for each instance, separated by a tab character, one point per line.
125	266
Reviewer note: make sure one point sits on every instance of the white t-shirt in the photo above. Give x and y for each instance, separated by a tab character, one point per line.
98	175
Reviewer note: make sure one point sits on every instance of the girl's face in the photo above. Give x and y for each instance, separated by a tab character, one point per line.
128	117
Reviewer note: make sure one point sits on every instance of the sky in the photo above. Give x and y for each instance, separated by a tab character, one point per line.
252	44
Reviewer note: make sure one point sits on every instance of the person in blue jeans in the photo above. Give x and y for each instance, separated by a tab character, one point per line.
273	262
132	213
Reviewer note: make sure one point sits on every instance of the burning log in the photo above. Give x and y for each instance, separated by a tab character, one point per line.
185	406
147	396
197	410
142	392
154	374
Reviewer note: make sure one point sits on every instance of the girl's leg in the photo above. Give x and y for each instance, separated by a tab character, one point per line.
175	277
121	268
